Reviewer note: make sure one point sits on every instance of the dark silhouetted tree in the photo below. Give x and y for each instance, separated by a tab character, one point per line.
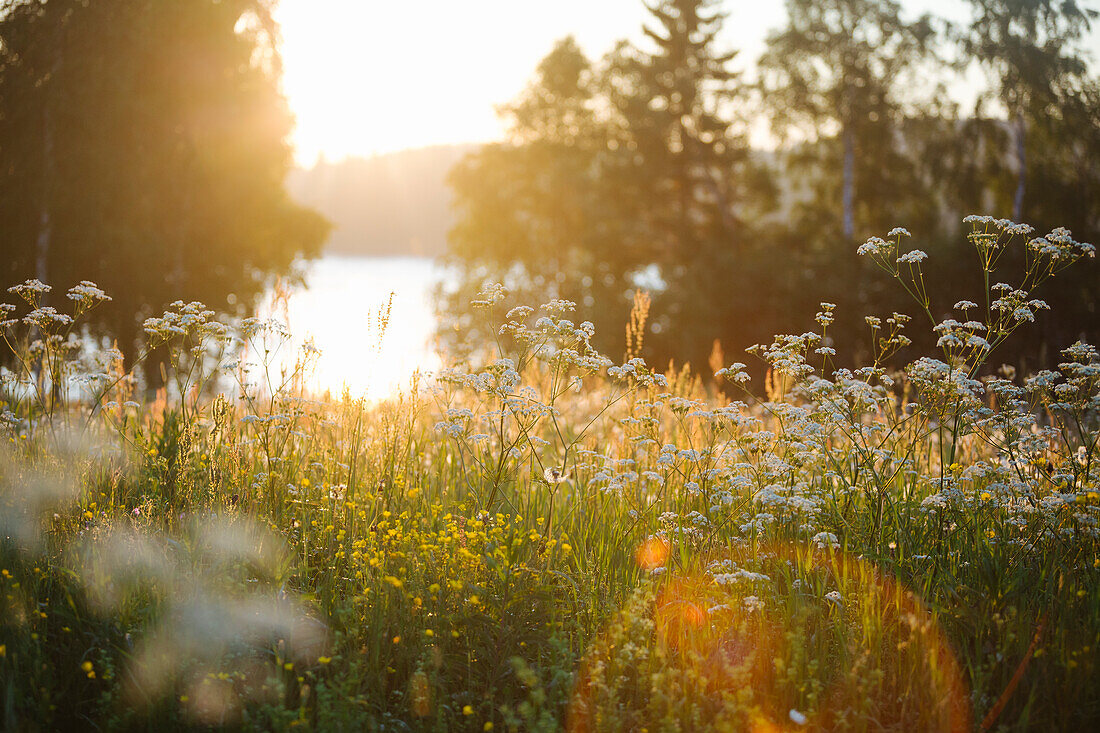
610	171
692	183
635	172
143	145
534	212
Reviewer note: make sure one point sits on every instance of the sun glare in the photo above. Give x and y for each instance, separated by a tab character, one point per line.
339	310
371	77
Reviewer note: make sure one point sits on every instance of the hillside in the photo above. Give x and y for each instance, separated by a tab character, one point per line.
392	204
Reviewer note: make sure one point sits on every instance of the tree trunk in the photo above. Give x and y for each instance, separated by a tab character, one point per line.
45	221
849	182
45	215
1021	168
45	229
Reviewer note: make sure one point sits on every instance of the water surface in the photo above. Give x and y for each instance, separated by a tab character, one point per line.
339	309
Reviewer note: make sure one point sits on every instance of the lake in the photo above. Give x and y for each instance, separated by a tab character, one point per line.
339	309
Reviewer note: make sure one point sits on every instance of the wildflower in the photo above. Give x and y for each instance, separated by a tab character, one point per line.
833	596
519	313
796	717
489	296
47	317
30	291
873	246
86	294
913	257
559	306
554	475
467	710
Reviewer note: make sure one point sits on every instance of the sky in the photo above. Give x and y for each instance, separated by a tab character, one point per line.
373	76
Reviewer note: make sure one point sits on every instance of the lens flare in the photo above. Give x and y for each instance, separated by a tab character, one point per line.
799	641
420	695
653	553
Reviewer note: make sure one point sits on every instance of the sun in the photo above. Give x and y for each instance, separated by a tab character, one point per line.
366	77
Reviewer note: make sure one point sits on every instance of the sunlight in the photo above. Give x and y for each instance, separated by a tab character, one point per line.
365	78
356	84
328	397
338	310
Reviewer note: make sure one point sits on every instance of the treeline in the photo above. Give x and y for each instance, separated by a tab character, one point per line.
635	171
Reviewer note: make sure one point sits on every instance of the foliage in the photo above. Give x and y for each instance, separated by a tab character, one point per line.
534	215
144	146
637	173
613	169
841	66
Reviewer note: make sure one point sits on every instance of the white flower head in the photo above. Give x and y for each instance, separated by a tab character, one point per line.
554	475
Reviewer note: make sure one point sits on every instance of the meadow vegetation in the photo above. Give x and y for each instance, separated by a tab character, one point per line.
545	538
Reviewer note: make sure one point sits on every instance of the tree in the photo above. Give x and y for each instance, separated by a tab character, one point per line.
687	173
1030	48
836	66
1028	151
612	170
534	212
143	146
639	165
669	101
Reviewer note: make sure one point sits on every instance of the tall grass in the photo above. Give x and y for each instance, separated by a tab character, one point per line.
547	539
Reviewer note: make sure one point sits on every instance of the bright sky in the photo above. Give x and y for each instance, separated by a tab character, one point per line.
371	76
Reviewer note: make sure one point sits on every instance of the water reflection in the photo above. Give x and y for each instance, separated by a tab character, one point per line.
339	309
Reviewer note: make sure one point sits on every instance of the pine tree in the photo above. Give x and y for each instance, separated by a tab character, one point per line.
691	179
615	169
673	103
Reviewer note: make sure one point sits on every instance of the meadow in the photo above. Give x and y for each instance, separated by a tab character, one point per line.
545	538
